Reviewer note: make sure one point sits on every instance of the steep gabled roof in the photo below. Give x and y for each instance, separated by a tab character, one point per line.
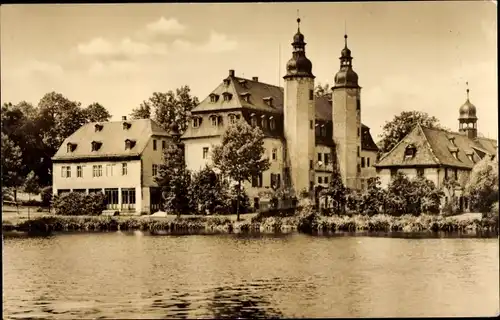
112	136
437	147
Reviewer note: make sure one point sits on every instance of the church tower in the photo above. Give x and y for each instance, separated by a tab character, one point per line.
299	115
467	121
347	120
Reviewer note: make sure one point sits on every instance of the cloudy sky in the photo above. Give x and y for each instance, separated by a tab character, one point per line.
408	55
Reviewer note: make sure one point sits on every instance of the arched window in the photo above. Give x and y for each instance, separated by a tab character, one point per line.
272	123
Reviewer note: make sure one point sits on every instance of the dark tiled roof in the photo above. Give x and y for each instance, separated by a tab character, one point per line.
258	91
435	147
112	136
367	142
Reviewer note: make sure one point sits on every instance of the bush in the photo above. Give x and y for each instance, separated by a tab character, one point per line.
76	204
31	203
46	195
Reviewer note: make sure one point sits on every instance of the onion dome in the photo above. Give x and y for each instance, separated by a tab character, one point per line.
467	110
346	77
299	65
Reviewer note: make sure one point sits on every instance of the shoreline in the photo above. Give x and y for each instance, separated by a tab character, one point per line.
313	224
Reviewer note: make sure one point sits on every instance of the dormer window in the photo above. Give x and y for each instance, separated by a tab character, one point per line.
126	125
323	130
246	96
98	127
214	97
470	155
454	152
70	147
226	82
227	96
243	83
129	144
272	123
196	122
268	101
253	120
96	145
452	140
410	151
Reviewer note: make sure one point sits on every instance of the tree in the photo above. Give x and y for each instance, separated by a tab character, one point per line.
373	198
425	196
482	188
11	164
336	190
401	125
450	185
97	113
143	112
240	155
174	180
31	186
397	194
322	90
208	190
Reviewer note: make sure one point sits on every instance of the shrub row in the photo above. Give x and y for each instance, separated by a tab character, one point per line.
79	204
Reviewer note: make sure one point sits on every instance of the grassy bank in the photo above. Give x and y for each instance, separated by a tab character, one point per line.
306	222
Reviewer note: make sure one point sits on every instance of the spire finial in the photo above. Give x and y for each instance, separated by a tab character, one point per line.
298	20
467	84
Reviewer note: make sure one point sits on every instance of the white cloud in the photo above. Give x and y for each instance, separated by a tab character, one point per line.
113	68
166	26
219	42
182	45
126	48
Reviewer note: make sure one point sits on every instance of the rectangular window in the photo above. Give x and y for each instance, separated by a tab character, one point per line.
124	169
359	132
205	152
163	144
95	191
155	170
278	180
255	181
256	204
63	172
327	159
358	151
420	172
358	104
154	144
326	180
97	171
311	94
128	198
311	124
359	168
394	172
320	180
275	154
455	173
260	180
362	162
111	198
310	164
68	172
446	173
109	170
319	157
79	172
367	162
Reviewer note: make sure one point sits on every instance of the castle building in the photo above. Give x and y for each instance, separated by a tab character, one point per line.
439	155
118	158
300	128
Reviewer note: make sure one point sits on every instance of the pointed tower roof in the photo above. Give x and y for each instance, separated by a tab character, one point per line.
299	65
346	77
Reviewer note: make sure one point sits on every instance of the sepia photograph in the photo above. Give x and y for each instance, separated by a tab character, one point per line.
249	160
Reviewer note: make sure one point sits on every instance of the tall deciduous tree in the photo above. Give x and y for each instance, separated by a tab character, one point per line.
31	186
208	190
96	113
336	191
321	90
373	198
11	164
241	154
142	112
174	180
401	125
482	188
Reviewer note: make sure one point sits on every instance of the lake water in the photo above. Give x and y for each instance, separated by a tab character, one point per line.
129	275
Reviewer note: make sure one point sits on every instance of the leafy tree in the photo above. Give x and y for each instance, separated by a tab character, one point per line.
336	190
482	188
401	125
174	180
373	198
425	197
11	164
143	112
450	185
171	107
31	186
238	200
97	113
322	90
397	194
241	154
209	190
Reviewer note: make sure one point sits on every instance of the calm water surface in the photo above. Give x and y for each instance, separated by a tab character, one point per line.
118	275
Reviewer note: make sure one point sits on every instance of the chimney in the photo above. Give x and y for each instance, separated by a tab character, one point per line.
124	118
256	79
231	72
